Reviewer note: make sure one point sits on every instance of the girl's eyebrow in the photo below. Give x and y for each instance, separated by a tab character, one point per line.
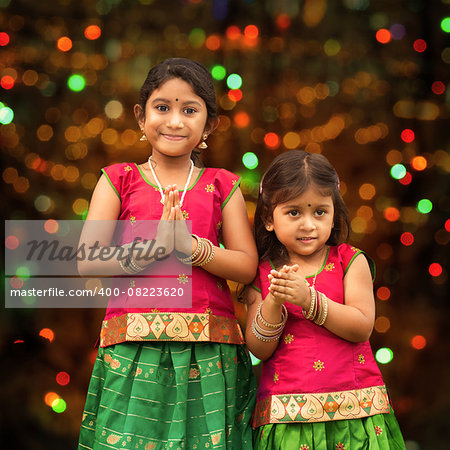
293	206
165	100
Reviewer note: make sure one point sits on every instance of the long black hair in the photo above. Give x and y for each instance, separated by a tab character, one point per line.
288	176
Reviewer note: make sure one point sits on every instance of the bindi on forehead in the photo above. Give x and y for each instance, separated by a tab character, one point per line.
176	99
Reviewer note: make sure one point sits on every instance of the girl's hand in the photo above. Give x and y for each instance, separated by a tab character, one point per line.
289	284
165	232
182	237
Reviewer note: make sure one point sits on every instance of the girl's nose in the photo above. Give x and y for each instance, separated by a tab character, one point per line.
175	120
308	223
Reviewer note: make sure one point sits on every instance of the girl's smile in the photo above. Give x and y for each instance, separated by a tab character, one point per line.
303	224
175	119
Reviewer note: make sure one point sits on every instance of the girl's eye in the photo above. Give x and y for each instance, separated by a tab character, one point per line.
162	108
190	110
320	212
294	213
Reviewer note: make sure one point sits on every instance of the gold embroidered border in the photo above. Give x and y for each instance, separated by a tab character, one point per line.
170	326
322	407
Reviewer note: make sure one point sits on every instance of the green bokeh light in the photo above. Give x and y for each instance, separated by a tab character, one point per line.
332	47
398	171
250	160
384	355
6	115
28	300
445	24
59	405
234	81
76	83
218	72
424	206
23	272
197	37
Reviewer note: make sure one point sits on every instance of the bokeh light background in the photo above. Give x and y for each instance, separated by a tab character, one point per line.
364	82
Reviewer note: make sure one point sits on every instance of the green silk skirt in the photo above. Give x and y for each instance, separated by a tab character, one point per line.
379	432
169	395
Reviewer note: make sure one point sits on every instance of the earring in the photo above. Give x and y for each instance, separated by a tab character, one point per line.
203	144
269	227
143	137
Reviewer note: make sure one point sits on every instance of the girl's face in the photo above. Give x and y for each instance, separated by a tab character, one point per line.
175	118
303	224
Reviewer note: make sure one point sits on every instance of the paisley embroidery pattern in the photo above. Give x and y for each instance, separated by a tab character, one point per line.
322	407
159	326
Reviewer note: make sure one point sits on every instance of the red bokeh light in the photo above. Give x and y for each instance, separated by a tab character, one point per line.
407	238
435	269
420	45
408	135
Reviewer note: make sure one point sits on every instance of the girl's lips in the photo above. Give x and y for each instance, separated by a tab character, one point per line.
173	137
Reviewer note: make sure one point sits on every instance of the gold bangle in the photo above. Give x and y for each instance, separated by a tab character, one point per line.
284	315
264	338
189	259
312	307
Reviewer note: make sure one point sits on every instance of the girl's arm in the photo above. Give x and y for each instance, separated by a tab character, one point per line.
354	319
99	229
239	260
271	312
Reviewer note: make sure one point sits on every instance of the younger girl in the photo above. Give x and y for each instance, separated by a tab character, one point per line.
174	377
310	316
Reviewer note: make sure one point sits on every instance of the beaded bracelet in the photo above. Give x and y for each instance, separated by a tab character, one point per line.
206	255
284	315
188	259
129	265
263	337
203	254
268	335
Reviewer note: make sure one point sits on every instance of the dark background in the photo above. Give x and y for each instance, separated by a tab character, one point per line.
317	76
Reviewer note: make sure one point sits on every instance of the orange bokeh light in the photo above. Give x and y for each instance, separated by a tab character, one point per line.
251	31
392	214
47	333
383	36
418	342
64	44
92	32
213	42
50	397
419	163
241	119
272	140
233	32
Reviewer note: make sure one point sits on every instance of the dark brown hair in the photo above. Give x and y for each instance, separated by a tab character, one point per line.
288	176
188	70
